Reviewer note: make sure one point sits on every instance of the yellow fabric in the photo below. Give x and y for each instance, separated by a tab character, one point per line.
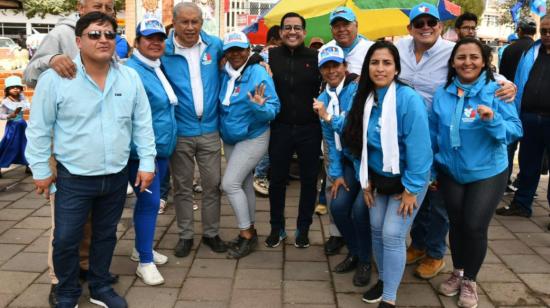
375	24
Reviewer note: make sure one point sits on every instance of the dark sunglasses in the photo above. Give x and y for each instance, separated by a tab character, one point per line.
419	23
96	35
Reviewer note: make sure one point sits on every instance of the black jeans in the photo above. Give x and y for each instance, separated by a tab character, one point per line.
470	208
306	141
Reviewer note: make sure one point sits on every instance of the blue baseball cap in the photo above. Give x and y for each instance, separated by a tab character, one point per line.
423	9
330	53
342	12
149	27
235	39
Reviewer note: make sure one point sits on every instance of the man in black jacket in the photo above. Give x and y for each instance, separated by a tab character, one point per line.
296	128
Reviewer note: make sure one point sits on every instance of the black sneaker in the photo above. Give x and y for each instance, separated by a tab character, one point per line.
510	189
347	265
108	299
215	243
243	247
183	248
275	238
362	274
512	210
333	245
302	240
385	305
374	294
52	298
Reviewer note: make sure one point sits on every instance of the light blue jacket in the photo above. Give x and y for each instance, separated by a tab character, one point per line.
483	150
163	113
336	125
522	72
92	129
177	72
244	119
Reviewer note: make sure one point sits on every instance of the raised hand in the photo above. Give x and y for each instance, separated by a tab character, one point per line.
258	97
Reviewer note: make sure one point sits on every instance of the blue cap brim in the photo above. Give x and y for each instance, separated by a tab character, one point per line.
327	59
150	32
345	18
236	44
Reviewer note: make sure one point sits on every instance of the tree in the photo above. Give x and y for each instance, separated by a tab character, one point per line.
473	6
55	7
506	17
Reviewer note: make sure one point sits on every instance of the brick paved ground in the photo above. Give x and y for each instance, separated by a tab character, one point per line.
516	272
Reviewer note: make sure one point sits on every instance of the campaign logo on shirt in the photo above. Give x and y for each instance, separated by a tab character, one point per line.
206	59
469	114
236	91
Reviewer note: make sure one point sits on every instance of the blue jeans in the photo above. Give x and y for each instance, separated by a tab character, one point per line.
431	225
76	198
351	216
389	233
536	137
263	167
146	209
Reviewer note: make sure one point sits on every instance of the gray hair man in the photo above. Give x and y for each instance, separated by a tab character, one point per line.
191	61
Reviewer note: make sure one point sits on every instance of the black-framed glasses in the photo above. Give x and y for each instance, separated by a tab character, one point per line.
420	23
96	34
295	27
544	32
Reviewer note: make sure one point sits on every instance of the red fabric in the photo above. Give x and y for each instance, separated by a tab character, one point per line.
260	36
454	9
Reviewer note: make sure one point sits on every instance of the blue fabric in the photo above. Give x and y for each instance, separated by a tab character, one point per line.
92	129
389	235
415	152
351	216
12	146
122	47
522	72
244	119
263	167
177	72
163	113
146	209
431	225
76	198
483	153
335	168
531	152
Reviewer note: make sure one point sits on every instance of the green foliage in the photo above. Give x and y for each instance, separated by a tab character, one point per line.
473	6
506	5
55	7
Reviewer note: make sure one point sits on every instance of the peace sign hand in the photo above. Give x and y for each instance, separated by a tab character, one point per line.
258	97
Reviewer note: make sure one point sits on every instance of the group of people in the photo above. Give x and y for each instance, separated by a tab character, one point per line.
414	135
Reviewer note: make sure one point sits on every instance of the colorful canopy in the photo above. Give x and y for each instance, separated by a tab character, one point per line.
376	18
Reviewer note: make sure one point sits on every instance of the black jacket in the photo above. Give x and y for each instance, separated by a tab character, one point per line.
511	56
297	81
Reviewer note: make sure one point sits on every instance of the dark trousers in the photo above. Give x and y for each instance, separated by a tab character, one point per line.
470	207
536	137
286	139
77	197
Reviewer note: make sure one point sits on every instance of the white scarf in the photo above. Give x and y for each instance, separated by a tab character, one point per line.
160	75
334	108
388	135
233	76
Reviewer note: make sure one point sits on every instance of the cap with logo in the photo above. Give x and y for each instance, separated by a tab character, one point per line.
235	39
149	27
330	53
342	12
423	9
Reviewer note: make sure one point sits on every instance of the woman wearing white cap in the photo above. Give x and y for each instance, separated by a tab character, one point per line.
248	103
346	205
12	146
150	36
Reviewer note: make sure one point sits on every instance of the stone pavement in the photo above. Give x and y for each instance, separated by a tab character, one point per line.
516	272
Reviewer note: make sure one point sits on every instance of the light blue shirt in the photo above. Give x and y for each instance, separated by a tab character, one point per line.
428	74
92	129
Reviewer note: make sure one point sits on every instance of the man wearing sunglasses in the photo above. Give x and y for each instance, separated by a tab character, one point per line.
532	78
424	65
94	116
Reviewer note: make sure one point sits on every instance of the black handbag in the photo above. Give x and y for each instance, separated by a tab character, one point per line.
386	185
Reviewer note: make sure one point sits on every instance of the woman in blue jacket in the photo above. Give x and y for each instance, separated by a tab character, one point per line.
470	129
346	206
247	103
149	42
388	135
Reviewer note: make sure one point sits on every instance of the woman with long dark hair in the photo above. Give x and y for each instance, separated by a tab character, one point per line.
470	129
387	133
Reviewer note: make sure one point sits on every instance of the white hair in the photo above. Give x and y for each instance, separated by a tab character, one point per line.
185	5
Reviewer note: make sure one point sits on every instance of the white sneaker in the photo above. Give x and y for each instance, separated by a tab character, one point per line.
129	190
162	207
158	258
149	274
195	205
